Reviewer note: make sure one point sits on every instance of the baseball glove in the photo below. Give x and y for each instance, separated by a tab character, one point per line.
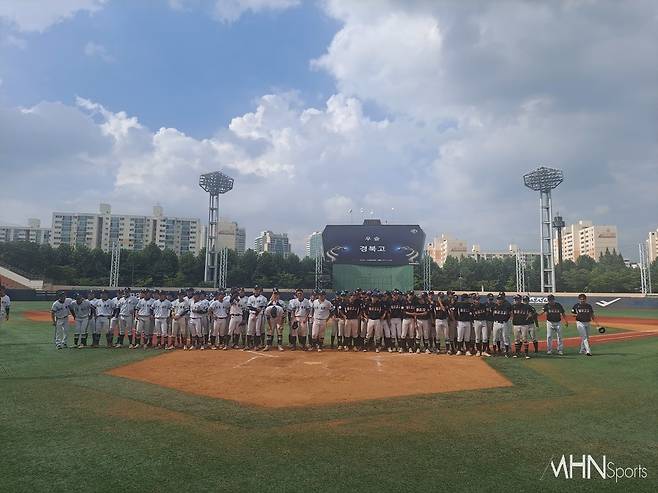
601	330
295	325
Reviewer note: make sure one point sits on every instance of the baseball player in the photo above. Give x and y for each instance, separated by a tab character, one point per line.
422	317
533	324
322	310
256	303
521	317
350	312
143	314
114	319
464	317
105	309
126	306
394	313
198	311
480	314
180	309
339	321
374	312
584	315
82	313
219	310
275	315
452	321
59	313
299	310
440	311
161	315
501	313
5	304
490	306
409	322
235	321
554	315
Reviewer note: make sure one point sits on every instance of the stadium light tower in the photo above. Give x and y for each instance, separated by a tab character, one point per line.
543	180
215	183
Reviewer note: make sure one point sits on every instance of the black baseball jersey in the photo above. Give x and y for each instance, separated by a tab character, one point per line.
501	313
521	314
351	310
396	308
490	306
409	306
553	311
422	310
463	311
440	313
374	311
480	311
583	311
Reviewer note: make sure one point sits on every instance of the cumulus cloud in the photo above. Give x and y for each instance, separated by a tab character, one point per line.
474	94
228	11
95	50
35	15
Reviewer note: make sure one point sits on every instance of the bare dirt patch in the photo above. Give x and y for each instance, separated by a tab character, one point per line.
298	379
39	316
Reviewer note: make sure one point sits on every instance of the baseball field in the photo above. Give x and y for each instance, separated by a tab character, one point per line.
146	420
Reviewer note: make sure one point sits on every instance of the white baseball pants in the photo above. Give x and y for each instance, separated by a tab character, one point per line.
583	330
463	331
319	327
480	328
554	329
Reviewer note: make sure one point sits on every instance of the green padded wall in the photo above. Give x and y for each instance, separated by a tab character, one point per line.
350	277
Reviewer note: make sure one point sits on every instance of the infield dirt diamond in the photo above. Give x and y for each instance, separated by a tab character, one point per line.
297	379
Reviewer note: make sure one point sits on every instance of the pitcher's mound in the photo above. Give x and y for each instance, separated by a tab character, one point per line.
293	379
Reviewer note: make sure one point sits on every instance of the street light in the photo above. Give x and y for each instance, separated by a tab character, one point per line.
543	180
214	183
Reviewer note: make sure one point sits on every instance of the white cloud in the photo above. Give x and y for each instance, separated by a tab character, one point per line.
36	15
231	10
95	50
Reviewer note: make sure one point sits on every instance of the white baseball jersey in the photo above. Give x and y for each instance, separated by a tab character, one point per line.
105	308
144	307
180	308
81	310
161	308
243	302
280	305
199	309
127	306
236	307
61	310
219	308
256	302
322	309
301	309
5	303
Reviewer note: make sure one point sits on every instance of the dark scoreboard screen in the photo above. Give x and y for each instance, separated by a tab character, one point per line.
373	243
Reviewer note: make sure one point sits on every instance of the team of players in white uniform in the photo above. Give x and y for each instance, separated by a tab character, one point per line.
357	321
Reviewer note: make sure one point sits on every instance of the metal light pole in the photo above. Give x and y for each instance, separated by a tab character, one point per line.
114	264
558	226
427	270
645	270
318	269
543	180
520	272
214	183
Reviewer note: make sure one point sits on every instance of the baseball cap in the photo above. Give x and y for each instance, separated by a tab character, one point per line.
551	297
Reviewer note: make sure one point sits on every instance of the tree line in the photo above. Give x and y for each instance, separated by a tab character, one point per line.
154	267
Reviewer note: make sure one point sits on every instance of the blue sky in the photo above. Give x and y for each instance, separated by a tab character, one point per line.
422	112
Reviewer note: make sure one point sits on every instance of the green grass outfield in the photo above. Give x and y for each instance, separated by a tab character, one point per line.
65	426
